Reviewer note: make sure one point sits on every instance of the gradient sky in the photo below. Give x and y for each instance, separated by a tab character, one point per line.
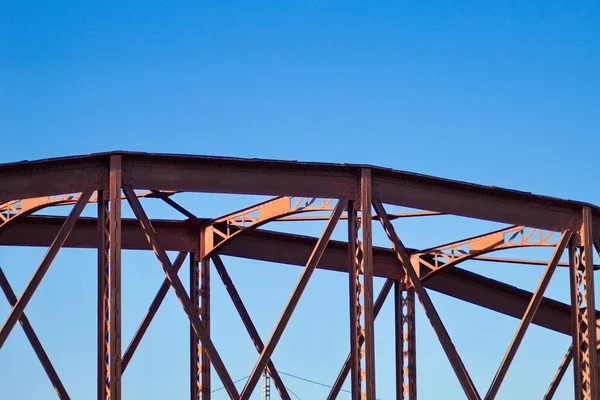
499	93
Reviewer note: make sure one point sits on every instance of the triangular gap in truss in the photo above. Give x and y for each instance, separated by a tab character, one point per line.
385	356
227	329
535	365
19	264
483	335
203	205
317	340
164	348
25	367
442	366
432	362
264	289
64	331
525	275
424	232
305	223
260	287
541	350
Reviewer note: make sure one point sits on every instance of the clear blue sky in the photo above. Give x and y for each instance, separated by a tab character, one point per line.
500	93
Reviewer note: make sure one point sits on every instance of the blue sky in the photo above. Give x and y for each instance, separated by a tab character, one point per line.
499	93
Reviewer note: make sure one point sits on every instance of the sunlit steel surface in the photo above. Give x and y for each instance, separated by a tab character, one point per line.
335	192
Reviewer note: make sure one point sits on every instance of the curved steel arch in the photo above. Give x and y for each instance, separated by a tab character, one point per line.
14	209
454	253
220	231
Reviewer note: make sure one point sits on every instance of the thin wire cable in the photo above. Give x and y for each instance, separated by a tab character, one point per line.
223	387
314	382
311	381
290	390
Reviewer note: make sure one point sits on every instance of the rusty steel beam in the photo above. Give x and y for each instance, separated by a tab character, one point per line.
52	177
366	245
34	341
337	386
114	276
583	314
294	250
43	267
195	345
103	295
294	299
179	289
152	310
560	372
532	308
269	177
250	327
405	340
356	337
434	318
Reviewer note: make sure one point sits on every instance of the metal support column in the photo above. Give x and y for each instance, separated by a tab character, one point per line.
114	278
200	296
109	286
205	316
367	269
583	313
103	297
406	366
354	276
195	345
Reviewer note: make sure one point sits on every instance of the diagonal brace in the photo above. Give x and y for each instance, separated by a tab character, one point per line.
533	306
562	369
250	327
313	260
41	270
377	306
152	310
35	342
430	311
179	289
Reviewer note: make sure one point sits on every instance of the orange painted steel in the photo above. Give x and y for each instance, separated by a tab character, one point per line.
303	192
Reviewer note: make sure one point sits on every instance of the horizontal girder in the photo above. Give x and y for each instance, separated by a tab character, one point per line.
294	250
266	177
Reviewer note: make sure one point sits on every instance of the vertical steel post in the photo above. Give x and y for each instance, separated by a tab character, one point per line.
200	296
583	313
103	297
114	278
354	272
205	316
406	368
195	346
367	262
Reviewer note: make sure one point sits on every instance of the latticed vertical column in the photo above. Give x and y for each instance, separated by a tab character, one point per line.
195	345
109	286
583	312
362	356
205	317
103	298
200	296
356	309
406	366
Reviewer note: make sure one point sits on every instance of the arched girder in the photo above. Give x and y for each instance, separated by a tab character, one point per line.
23	207
451	254
222	230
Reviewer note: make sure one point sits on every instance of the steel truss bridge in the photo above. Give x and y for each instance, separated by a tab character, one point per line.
358	194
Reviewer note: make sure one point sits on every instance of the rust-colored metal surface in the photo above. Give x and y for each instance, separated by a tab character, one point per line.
302	191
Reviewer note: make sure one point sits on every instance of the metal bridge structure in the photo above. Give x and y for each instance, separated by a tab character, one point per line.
360	195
